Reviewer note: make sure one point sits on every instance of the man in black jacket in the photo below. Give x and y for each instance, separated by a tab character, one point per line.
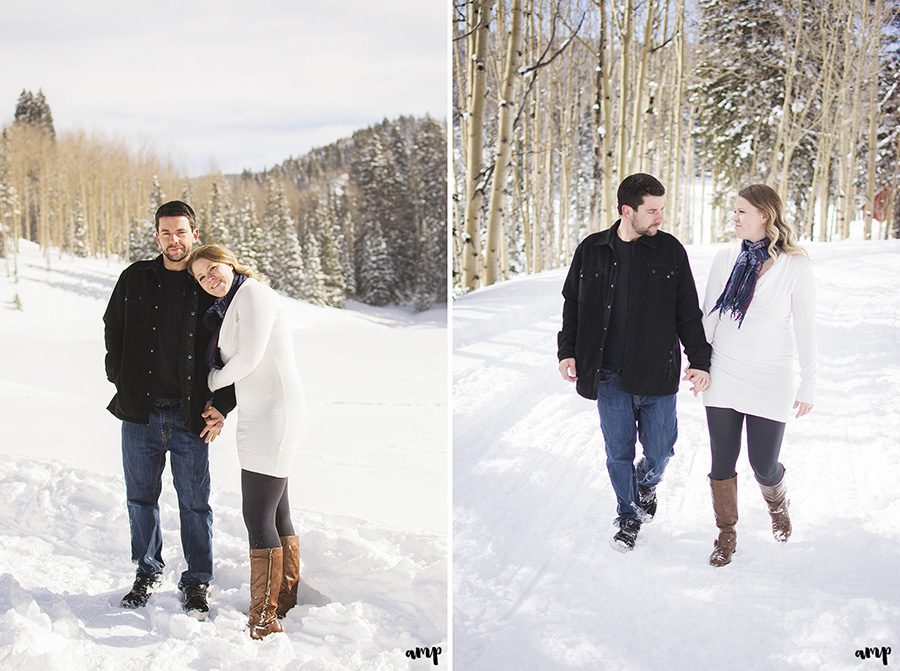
156	356
629	299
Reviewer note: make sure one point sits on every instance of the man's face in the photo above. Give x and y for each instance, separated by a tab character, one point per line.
175	237
648	217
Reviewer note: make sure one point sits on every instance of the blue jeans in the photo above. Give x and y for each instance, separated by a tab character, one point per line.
144	448
623	418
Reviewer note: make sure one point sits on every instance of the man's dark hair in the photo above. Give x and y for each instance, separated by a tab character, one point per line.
634	187
176	208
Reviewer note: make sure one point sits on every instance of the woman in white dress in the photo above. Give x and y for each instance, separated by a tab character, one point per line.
252	348
758	293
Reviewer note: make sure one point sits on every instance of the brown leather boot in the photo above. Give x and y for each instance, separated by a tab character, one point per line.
290	577
265	581
778	502
724	496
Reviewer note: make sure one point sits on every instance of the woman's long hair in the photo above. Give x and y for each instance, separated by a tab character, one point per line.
780	234
217	254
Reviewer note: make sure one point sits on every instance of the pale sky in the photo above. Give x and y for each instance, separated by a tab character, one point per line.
225	85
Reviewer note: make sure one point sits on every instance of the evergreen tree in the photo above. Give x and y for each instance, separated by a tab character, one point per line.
315	289
335	285
739	86
377	184
35	111
142	238
280	258
250	234
376	274
79	232
221	217
429	186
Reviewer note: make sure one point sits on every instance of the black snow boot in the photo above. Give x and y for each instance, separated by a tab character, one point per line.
193	599
648	501
626	536
144	584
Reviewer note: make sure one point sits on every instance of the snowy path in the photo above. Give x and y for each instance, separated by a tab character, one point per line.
536	585
368	496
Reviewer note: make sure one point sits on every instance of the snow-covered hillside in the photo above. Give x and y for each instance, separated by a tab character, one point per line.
368	494
536	585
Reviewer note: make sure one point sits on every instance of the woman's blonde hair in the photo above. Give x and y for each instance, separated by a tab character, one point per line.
780	234
217	254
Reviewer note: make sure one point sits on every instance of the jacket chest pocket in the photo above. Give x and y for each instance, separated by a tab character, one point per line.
660	282
592	285
134	308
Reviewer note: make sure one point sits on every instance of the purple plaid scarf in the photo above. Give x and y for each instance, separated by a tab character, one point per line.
738	291
213	319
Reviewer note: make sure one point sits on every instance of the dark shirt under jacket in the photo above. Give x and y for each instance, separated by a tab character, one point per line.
173	303
662	309
614	351
132	323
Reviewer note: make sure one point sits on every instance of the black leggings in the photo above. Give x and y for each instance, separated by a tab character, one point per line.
763	444
267	512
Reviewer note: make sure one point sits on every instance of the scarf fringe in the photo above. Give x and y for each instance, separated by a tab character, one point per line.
738	293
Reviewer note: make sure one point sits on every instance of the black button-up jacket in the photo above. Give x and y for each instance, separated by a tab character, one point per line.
662	309
130	323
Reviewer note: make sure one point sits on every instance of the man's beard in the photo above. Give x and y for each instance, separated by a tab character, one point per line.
648	231
175	256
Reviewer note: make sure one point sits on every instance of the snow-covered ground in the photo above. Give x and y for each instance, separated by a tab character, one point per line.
536	585
368	494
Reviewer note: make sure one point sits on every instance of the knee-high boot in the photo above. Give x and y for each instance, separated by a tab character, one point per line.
290	576
778	502
265	583
724	497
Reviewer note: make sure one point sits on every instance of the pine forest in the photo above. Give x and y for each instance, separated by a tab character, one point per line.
361	219
555	101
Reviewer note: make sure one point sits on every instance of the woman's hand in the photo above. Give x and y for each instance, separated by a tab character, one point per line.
804	408
215	420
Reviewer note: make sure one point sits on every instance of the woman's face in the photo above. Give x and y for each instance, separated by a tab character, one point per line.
214	276
749	223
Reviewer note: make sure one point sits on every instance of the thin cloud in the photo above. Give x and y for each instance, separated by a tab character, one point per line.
226	84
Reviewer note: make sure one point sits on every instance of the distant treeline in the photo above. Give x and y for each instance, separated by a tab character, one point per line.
363	218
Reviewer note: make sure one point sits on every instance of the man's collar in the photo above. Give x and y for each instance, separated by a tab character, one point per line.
607	236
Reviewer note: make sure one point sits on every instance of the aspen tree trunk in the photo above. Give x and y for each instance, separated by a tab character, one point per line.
551	249
520	181
636	152
624	86
786	112
536	147
607	205
504	144
875	40
598	135
850	79
474	187
685	230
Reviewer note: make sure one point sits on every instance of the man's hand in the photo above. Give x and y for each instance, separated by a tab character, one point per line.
567	370
698	378
215	420
804	408
213	416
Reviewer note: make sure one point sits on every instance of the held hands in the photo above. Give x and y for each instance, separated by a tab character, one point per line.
698	378
567	370
804	408
215	420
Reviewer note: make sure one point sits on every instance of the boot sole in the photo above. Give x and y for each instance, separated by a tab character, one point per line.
733	553
619	547
198	615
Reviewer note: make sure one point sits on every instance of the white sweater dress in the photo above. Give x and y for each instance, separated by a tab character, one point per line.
752	367
258	351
